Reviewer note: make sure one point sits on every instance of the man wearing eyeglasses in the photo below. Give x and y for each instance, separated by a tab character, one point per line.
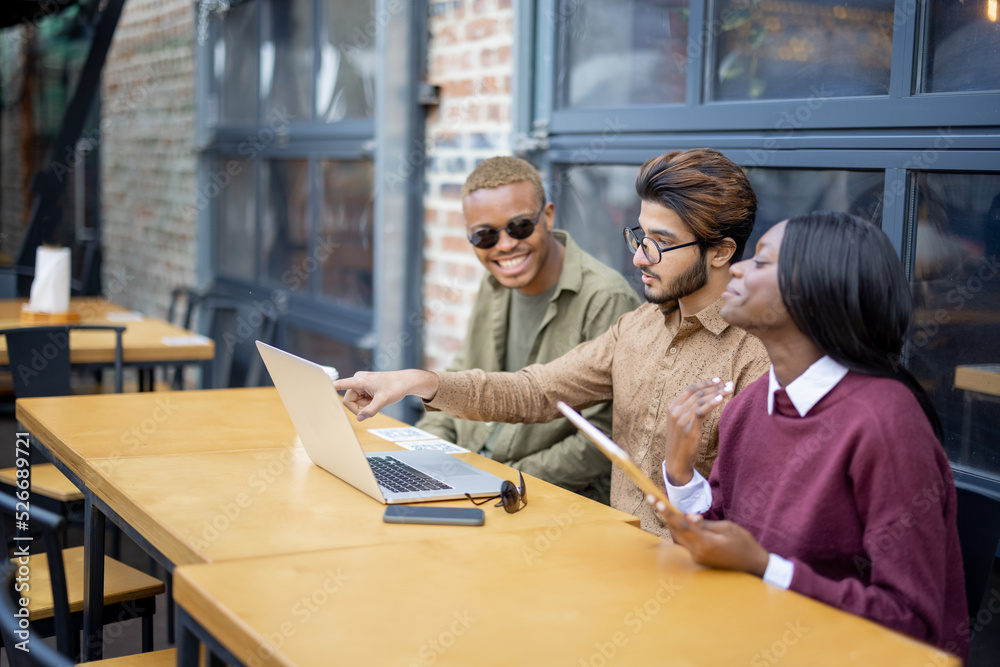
541	297
697	212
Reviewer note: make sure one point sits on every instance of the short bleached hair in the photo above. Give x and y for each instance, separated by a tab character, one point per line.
496	172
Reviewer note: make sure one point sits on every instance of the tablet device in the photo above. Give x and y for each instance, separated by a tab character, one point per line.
617	455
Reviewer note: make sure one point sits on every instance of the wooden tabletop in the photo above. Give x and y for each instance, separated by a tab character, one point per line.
118	426
601	593
148	340
982	378
213	506
280	549
212	475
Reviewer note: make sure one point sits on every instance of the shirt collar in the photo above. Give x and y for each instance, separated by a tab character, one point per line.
711	319
571	276
806	390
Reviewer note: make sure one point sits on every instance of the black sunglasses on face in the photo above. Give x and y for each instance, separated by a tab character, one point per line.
512	498
518	228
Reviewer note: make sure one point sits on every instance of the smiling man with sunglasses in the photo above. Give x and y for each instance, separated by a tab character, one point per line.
541	297
697	212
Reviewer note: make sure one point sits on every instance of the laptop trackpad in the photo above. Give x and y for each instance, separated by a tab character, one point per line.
449	469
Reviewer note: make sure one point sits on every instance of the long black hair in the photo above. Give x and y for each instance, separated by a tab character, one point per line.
844	287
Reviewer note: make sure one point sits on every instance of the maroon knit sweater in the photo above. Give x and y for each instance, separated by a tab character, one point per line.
858	494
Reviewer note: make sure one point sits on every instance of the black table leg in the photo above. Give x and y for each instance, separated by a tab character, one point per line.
93	583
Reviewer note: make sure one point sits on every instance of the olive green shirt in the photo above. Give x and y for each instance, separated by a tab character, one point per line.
523	323
589	297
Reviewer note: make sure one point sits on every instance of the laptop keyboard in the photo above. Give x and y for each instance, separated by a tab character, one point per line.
398	477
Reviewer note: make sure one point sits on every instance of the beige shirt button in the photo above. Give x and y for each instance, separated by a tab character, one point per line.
673	350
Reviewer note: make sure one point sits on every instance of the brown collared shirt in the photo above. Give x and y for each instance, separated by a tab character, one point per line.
642	363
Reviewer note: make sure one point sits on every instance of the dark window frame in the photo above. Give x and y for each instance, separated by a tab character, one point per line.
902	133
384	140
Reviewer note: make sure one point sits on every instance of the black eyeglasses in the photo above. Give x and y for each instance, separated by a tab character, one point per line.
518	228
512	498
652	251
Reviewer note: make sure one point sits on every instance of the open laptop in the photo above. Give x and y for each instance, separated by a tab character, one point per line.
390	477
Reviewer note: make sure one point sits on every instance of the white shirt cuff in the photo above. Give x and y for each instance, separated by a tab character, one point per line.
695	497
779	571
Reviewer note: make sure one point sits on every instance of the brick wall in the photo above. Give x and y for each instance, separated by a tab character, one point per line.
148	158
148	170
469	56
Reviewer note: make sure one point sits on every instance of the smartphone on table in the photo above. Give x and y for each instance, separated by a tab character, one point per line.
448	516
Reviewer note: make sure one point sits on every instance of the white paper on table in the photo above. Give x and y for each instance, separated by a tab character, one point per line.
196	339
402	433
50	286
436	445
127	316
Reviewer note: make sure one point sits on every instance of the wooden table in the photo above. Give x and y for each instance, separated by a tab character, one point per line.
146	343
207	476
977	381
601	593
981	378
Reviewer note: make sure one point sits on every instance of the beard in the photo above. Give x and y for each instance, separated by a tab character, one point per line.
688	282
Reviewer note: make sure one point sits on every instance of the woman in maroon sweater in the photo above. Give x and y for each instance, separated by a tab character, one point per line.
831	479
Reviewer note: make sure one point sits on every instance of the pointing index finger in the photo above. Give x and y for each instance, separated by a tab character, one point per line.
343	384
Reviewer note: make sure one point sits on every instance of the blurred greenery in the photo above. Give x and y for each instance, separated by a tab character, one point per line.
748	34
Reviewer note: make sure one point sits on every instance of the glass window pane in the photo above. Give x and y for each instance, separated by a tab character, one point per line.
345	87
956	292
622	53
782	193
798	50
343	250
343	356
963	47
287	60
232	185
285	223
594	204
234	67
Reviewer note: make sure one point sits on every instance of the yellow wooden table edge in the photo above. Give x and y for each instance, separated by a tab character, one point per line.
202	607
